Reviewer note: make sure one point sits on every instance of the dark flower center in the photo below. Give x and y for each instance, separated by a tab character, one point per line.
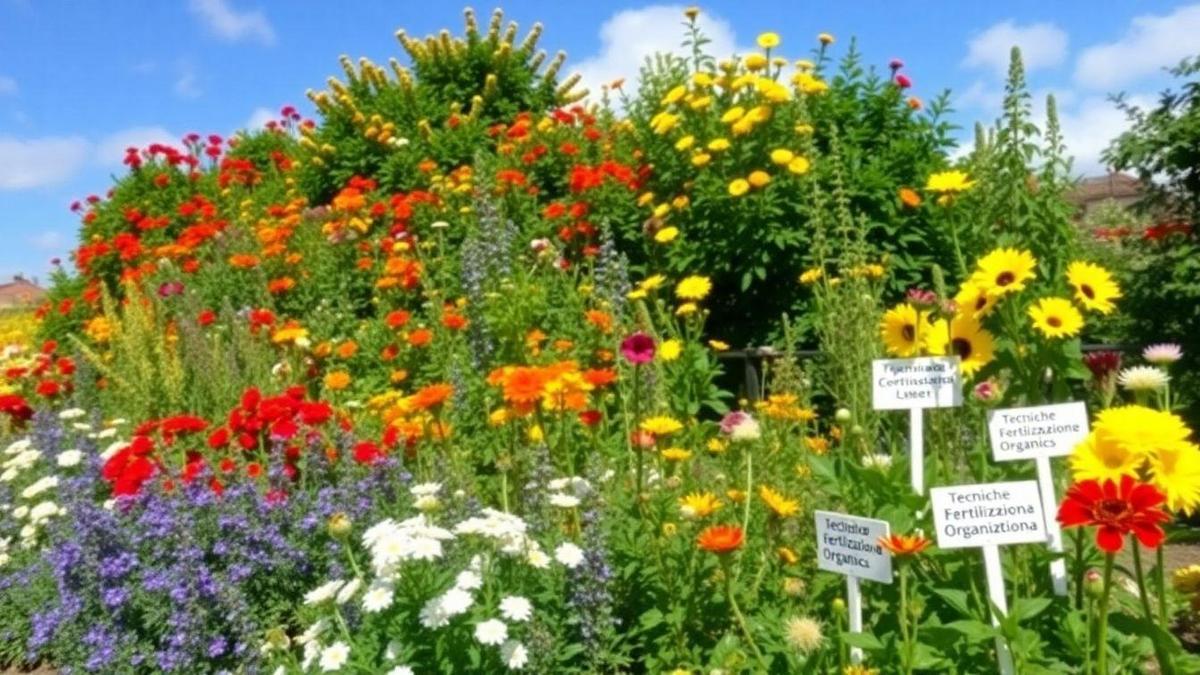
909	332
980	302
1110	510
1054	322
1087	290
962	347
1005	278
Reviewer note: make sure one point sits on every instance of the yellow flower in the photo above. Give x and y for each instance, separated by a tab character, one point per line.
498	417
670	350
825	38
759	113
98	329
768	40
974	301
1004	270
702	79
742	126
1186	579
782	156
645	198
780	506
652	282
1142	430
676	454
1175	470
803	129
1100	457
811	275
636	294
739	187
965	337
733	114
681	202
693	288
674	95
700	159
755	62
759	178
686	309
289	335
787	556
1056	317
1094	286
666	235
904	330
660	425
692	12
716	446
685	142
700	102
718	346
799	166
948	182
535	434
699	505
663	122
662	210
718	144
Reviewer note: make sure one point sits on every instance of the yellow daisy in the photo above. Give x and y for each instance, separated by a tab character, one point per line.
699	505
974	300
1100	457
947	182
902	332
1055	317
1094	286
693	288
661	425
965	337
1004	271
780	506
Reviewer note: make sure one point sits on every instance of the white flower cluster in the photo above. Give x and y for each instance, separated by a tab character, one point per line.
568	493
391	543
21	457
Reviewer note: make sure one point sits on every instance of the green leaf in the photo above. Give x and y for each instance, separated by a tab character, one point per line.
1027	608
1136	625
974	630
865	641
956	599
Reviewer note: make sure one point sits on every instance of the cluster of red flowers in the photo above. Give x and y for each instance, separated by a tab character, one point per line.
16	408
239	445
50	374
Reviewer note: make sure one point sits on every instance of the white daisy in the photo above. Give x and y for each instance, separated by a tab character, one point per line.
516	608
324	592
491	632
69	458
569	555
514	655
347	592
564	501
334	656
468	580
1143	378
378	597
72	414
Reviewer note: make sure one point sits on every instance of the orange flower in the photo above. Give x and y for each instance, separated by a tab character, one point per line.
347	349
243	260
910	198
601	320
721	539
337	380
600	377
524	385
281	285
904	544
432	395
420	337
397	319
454	321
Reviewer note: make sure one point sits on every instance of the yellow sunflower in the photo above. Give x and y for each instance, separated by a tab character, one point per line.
974	300
1004	271
1055	317
1175	469
780	506
1094	286
904	330
965	337
693	288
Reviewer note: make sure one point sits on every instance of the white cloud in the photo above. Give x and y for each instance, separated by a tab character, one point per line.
231	25
1043	45
186	85
259	118
50	240
629	36
7	85
979	96
110	151
1151	43
1091	126
38	162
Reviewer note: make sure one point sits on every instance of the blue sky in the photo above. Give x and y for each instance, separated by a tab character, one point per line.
79	82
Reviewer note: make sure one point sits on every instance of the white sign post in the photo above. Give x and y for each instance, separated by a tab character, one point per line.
849	545
987	516
1039	433
914	385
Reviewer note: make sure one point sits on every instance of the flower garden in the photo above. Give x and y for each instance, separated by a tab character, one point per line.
449	378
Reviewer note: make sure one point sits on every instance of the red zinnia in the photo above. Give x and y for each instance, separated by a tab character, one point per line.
721	539
1117	510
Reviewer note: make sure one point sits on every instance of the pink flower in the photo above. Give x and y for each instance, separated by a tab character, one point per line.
903	81
987	392
1163	354
638	348
895	64
922	298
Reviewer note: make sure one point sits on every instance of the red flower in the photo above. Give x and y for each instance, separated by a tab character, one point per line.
1117	510
590	417
15	407
721	539
367	453
638	348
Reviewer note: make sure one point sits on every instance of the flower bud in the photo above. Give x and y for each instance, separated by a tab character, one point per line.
839	606
793	586
843	415
339	526
1093	584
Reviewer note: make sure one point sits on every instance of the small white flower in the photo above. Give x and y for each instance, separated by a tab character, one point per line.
324	592
468	581
877	461
514	655
400	670
516	608
28	532
69	458
313	632
392	651
106	433
72	414
425	489
39	486
564	501
81	426
1143	378
537	558
491	632
439	225
44	510
9	475
20	512
334	656
569	555
117	422
378	597
347	592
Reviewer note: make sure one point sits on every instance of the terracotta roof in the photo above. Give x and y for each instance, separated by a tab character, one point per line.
1111	186
19	291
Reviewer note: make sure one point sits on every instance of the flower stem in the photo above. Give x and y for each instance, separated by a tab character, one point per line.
1160	586
1165	664
737	612
904	636
1102	630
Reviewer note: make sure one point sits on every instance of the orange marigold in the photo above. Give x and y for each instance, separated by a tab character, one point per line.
337	380
524	385
910	198
904	544
721	539
420	337
281	285
243	261
603	321
432	395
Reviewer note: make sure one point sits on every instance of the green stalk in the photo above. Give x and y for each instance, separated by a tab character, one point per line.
1102	631
904	636
1161	586
1165	663
737	611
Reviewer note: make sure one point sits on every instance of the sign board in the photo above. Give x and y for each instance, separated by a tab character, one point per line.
927	382
1037	431
988	514
850	545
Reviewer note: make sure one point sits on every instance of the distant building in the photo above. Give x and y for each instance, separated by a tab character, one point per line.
1114	188
20	292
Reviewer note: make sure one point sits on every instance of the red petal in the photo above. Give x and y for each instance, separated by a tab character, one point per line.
1109	539
1150	535
1072	513
1145	496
